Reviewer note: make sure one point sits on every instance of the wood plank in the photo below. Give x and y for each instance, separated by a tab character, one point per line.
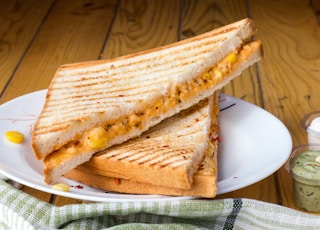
315	4
202	16
74	31
142	25
290	69
37	194
264	194
60	201
20	21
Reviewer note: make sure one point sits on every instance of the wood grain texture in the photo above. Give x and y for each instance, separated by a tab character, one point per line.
259	191
290	70
19	23
61	201
202	16
142	25
74	31
315	4
38	194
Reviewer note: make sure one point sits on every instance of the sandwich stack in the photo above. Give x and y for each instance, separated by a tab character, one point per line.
94	108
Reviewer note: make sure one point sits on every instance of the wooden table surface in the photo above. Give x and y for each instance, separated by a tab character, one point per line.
37	36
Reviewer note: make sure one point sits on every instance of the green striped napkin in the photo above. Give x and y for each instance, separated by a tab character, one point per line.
22	211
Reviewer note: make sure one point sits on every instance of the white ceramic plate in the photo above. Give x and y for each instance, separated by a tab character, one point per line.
254	144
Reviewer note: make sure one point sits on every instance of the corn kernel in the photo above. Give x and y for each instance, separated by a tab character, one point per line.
134	120
206	76
97	138
159	104
231	58
217	73
61	187
15	137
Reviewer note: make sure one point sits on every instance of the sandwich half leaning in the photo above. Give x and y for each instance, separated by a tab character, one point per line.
154	163
94	105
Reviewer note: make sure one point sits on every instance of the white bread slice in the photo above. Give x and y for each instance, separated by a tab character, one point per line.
204	180
125	92
167	154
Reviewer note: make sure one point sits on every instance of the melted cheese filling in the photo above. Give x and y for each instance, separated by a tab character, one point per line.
208	166
98	138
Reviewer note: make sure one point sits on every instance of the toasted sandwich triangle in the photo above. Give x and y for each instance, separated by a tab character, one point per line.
111	171
168	154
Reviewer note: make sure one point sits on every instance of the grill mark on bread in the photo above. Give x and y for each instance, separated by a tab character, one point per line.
137	88
159	151
77	102
169	158
197	50
163	156
112	94
102	100
46	129
136	73
134	80
135	77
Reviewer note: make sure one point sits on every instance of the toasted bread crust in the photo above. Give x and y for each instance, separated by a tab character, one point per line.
203	186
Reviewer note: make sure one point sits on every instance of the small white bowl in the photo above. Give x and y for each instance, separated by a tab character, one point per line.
311	124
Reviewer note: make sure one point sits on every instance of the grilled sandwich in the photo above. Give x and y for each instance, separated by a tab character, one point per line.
167	154
149	164
94	105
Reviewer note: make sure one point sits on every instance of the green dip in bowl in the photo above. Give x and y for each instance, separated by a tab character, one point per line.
305	169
